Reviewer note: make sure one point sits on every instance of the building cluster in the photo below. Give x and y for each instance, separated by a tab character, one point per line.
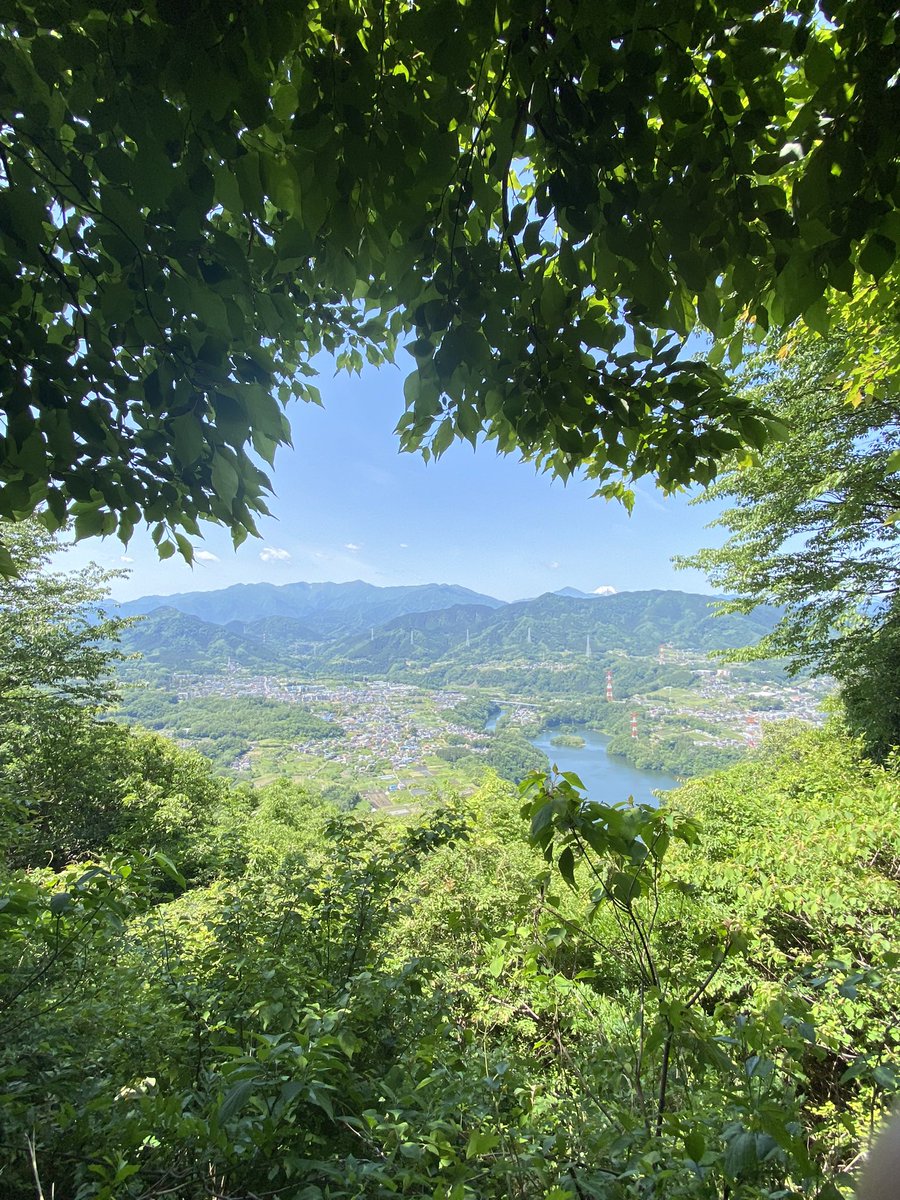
383	724
738	708
394	727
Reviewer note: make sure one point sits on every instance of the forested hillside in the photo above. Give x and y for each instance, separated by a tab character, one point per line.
448	641
214	990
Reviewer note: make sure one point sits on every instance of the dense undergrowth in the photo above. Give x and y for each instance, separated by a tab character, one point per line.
240	994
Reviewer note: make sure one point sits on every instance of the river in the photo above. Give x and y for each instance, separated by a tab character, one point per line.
606	778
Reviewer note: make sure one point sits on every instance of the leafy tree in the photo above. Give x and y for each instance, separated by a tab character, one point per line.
196	200
56	664
474	712
813	529
512	755
869	672
872	322
72	782
55	639
674	750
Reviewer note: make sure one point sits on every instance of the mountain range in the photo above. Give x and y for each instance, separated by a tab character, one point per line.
324	609
357	628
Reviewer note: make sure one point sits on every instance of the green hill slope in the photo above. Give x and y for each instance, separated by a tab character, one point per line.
452	642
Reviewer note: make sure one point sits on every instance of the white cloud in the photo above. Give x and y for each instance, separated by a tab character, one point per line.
376	475
206	556
650	498
274	554
126	559
404	545
554	566
352	546
604	590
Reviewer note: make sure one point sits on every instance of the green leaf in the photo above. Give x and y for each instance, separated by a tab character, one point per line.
829	1191
187	439
462	344
168	867
818	62
225	479
695	1145
818	316
318	1095
246	170
740	1156
348	1042
285	101
877	256
766	1147
442	438
22	214
235	1099
885	1076
858	1068
290	1090
553	301
566	865
481	1143
625	887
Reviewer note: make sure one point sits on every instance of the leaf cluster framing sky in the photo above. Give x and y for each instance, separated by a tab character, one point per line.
349	505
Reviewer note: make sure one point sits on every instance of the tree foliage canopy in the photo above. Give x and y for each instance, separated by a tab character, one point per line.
55	639
539	202
814	528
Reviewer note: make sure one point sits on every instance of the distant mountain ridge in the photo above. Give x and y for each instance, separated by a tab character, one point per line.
555	625
601	593
345	635
324	609
575	593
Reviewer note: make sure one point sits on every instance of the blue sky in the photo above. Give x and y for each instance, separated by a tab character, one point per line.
349	505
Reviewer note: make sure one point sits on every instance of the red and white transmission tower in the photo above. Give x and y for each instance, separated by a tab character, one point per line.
609	694
634	725
753	730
